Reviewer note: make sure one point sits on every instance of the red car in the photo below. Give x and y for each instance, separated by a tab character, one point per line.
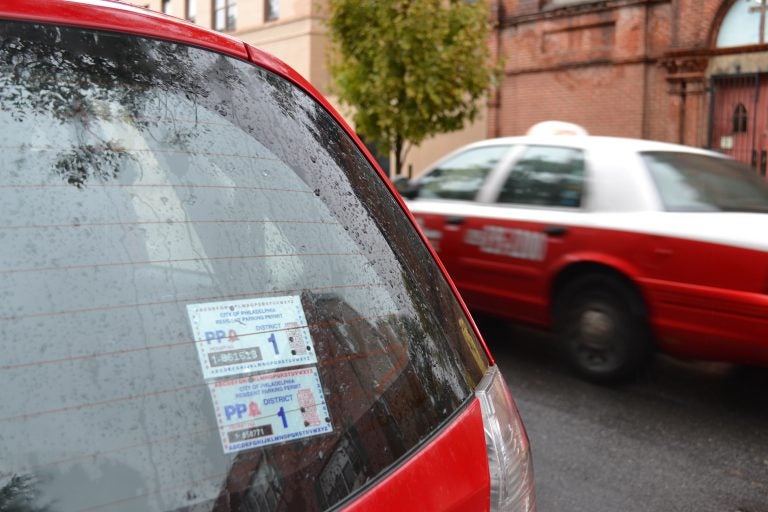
213	300
619	246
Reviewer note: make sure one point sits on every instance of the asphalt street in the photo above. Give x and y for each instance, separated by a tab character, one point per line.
685	436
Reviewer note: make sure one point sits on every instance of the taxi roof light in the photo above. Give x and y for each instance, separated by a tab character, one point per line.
548	128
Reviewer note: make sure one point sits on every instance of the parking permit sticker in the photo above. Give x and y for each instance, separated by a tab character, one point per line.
244	336
270	408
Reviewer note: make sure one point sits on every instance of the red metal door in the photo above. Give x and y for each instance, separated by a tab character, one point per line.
739	118
761	126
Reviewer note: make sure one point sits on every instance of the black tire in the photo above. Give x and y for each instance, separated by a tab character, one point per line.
602	325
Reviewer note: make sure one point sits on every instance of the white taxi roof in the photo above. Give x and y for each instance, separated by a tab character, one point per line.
589	142
619	180
621	194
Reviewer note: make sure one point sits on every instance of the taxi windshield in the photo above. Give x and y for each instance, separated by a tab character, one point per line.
211	300
689	182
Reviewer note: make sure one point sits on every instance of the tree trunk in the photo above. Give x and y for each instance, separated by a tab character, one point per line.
398	155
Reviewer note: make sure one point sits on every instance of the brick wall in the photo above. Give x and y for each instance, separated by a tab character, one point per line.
617	67
605	99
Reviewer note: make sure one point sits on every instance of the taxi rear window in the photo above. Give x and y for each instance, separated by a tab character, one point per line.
689	182
210	299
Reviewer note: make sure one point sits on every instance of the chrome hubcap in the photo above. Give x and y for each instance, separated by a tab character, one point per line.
596	328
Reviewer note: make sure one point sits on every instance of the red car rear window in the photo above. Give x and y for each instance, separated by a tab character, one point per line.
210	299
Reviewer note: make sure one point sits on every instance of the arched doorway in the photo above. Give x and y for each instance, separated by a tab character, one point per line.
739	89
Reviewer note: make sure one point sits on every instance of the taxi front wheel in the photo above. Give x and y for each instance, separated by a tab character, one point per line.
601	323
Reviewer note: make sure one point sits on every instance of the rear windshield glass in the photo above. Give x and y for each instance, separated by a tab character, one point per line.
689	182
210	299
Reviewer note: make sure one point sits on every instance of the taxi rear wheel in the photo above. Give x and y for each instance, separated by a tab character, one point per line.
601	322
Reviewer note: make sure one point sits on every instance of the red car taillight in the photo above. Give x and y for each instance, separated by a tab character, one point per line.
509	455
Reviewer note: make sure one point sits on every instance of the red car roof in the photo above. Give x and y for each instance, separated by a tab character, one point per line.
123	17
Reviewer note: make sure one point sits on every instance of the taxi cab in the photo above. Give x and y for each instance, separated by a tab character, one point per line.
212	297
620	247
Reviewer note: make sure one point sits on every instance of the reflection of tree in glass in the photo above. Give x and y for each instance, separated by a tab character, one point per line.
70	75
100	162
282	93
20	494
295	105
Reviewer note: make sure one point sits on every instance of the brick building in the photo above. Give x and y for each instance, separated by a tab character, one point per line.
687	71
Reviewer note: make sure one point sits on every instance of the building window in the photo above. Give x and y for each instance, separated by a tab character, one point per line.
191	10
744	24
166	6
554	4
271	10
224	15
740	119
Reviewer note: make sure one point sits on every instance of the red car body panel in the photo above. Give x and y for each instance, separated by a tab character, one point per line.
123	17
458	453
694	312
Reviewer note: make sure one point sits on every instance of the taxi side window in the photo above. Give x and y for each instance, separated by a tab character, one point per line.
547	176
461	176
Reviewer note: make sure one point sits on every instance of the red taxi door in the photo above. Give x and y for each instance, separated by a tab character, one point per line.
446	194
510	240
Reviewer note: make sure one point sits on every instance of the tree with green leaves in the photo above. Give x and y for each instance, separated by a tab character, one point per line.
409	68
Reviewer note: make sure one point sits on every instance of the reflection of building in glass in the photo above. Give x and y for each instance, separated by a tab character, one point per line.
344	471
264	491
383	399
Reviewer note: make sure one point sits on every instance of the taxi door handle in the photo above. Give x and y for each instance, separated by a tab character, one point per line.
555	230
455	221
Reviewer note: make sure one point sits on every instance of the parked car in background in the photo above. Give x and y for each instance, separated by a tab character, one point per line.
213	300
618	246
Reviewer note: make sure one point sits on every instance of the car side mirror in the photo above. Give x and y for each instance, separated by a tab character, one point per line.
407	188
